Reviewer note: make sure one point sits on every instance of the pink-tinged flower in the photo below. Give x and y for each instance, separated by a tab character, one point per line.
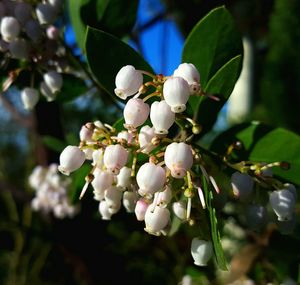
161	117
176	93
201	251
189	72
140	209
156	219
136	112
128	81
71	158
242	185
145	136
283	204
178	158
150	178
165	196
115	157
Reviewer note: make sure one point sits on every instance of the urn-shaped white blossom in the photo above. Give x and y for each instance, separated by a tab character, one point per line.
125	135
46	92
29	97
165	196
189	72
128	81
54	80
242	185
71	158
18	48
129	201
86	133
290	187
161	117
180	210
176	93
140	209
104	210
136	112
201	251
124	177
10	28
102	181
145	137
150	178
113	196
115	157
178	158
156	219
283	204
98	158
45	13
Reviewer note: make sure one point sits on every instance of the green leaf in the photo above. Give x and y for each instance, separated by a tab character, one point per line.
215	234
106	55
263	143
54	143
221	85
213	42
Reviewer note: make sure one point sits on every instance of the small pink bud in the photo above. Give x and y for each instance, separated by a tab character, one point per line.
136	112
52	33
124	177
140	209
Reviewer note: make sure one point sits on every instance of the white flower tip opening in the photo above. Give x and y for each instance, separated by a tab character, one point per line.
178	108
178	173
120	93
63	170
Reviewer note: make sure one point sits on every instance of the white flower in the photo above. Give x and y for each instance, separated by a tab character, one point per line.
124	177
242	185
176	93
54	80
18	48
179	209
98	158
52	33
102	180
189	72
115	157
150	178
140	209
29	97
104	210
45	13
36	177
165	196
161	117
46	92
136	112
124	135
86	133
129	201
71	158
178	158
283	204
113	196
10	28
156	219
201	251
145	136
128	81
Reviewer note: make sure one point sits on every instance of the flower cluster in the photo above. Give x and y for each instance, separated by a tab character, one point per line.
51	192
28	33
149	164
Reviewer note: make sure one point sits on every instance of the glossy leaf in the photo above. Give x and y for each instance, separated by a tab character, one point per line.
106	55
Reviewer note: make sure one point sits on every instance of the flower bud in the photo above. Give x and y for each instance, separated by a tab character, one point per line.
150	178
156	219
10	28
161	117
33	30
124	177
71	158
189	72
129	201
45	13
176	93
86	133
256	216
46	92
23	12
128	81
115	157
145	137
179	209
52	33
165	196
18	49
136	112
113	196
104	210
179	159
242	185
201	251
140	209
29	97
54	80
283	204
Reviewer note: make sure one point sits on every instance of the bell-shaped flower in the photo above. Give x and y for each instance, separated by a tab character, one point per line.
115	157
156	219
102	180
176	93
29	97
54	80
180	209
104	210
283	204
161	117
290	187
113	196
136	112
10	28
124	177
140	209
129	201
98	158
165	196
178	158
128	81
242	185
150	178
201	251
189	72
146	135
71	158
125	135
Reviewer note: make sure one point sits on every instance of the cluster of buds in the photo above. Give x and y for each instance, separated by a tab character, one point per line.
28	33
51	192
